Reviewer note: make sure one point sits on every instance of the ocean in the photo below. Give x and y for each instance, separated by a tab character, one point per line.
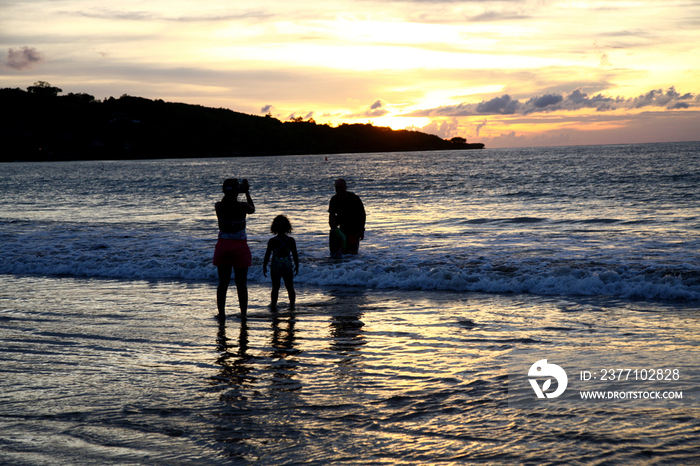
110	352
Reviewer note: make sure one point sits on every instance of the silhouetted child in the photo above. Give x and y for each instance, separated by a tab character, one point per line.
336	239
281	249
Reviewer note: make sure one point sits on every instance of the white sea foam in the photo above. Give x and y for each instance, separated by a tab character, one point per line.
99	252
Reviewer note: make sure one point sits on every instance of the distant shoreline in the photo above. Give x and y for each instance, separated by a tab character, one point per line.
43	126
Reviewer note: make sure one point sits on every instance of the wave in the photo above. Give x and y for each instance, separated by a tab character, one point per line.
537	279
599	220
140	255
514	220
532	220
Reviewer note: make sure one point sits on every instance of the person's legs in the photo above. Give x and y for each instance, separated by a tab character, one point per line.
224	280
276	280
241	278
289	284
352	243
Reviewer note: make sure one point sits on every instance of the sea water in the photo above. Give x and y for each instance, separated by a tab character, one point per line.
110	353
586	221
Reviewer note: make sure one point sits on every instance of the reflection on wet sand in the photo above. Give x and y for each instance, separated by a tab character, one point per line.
234	361
283	364
346	326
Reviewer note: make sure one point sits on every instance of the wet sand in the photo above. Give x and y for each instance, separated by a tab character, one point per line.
100	371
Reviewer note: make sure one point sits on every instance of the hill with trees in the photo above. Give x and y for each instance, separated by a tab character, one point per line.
40	124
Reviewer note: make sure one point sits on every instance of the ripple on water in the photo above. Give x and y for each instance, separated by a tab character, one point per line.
118	372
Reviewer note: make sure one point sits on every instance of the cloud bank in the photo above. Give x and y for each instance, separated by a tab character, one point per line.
575	100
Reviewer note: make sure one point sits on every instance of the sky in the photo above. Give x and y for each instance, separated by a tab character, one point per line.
513	73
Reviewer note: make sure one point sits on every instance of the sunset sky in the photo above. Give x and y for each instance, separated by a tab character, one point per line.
505	73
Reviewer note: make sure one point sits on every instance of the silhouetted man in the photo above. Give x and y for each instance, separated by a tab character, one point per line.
347	209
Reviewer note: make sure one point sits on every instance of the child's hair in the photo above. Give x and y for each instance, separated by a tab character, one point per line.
281	225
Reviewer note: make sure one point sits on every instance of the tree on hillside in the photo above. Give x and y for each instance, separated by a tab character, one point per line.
44	89
79	98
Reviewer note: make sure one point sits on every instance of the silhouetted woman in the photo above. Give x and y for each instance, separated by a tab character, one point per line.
232	250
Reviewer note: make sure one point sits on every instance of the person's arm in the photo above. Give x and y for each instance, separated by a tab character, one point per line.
295	255
267	258
332	211
362	216
249	208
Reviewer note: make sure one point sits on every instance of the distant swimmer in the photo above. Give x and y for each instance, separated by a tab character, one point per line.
282	249
347	210
232	250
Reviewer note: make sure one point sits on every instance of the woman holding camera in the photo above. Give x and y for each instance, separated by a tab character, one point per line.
232	252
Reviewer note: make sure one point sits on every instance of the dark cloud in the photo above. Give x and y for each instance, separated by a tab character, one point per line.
657	98
575	100
375	110
23	58
462	109
503	105
679	106
266	109
542	103
545	100
578	99
577	96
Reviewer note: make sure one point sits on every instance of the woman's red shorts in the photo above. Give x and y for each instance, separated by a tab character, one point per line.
233	253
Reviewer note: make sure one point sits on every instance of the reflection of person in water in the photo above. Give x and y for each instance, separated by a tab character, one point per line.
283	250
235	362
347	209
285	378
346	330
232	250
240	373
